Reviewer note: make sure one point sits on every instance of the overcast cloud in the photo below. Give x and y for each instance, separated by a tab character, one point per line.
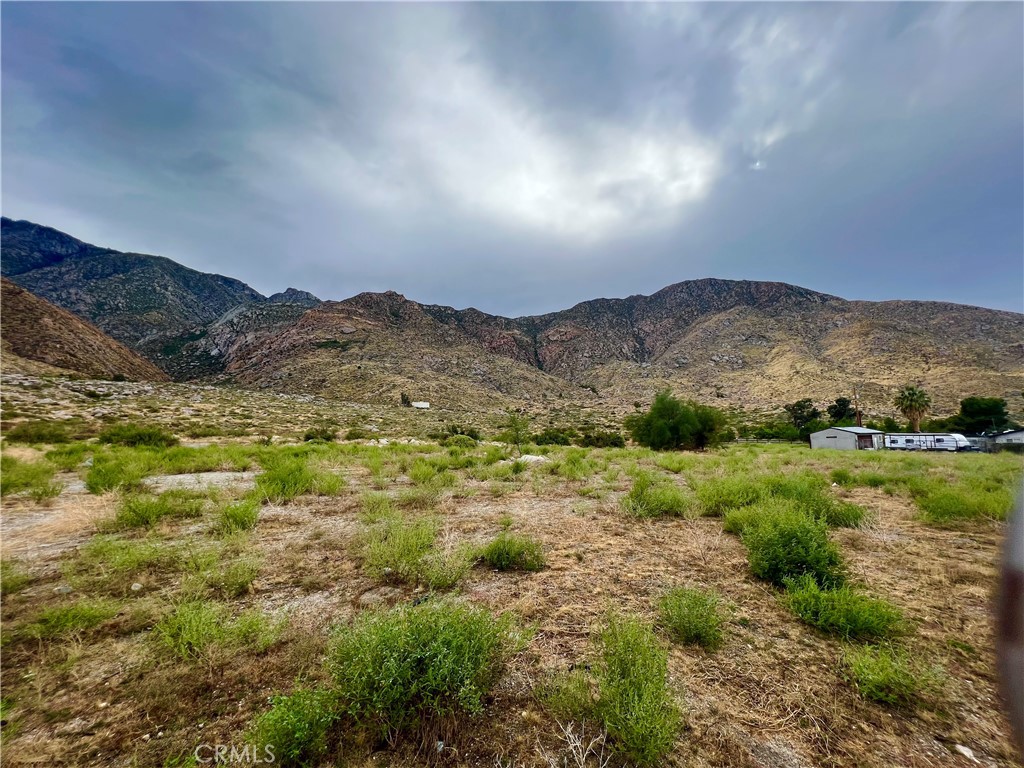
523	157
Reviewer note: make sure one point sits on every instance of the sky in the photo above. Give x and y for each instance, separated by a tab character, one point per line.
520	158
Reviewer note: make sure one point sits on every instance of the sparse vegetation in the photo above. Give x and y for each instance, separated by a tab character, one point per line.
38	432
200	629
788	544
634	702
891	676
297	727
652	497
844	611
178	586
34	478
73	618
415	669
240	515
403	550
146	510
134	435
513	552
286	478
692	617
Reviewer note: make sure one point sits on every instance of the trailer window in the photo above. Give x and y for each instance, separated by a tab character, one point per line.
939	440
910	440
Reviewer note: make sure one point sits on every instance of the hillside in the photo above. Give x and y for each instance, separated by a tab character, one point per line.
754	345
130	296
39	338
743	343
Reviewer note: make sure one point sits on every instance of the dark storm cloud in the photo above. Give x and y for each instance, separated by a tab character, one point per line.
522	157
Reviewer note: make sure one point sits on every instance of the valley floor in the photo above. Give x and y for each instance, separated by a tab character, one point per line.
104	544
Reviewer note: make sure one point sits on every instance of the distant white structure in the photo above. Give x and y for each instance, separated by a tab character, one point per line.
847	439
420	404
1014	436
927	441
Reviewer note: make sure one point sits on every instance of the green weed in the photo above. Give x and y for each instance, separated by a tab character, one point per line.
692	617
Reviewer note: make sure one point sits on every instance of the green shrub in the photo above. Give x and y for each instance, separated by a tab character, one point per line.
146	510
240	515
321	434
459	441
890	676
71	618
555	436
197	629
297	727
718	496
843	611
736	520
652	497
512	552
358	433
788	544
601	439
692	617
288	477
401	550
136	435
34	478
634	700
408	670
42	432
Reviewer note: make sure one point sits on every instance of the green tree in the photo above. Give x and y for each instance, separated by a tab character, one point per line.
841	410
913	402
981	414
671	424
517	430
406	400
801	413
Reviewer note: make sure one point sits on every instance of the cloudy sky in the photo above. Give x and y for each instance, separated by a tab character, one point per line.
521	158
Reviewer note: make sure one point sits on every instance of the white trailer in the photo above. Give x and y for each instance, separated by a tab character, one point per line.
927	441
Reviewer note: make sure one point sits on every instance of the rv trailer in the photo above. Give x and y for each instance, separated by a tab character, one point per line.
927	441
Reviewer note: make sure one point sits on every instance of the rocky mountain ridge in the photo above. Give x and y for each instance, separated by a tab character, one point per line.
746	343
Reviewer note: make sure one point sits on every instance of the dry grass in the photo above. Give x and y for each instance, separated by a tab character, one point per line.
774	694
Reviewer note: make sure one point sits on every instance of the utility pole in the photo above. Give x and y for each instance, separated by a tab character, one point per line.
856	401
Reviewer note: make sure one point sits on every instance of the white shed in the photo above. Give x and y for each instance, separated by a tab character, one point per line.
1014	436
847	438
420	404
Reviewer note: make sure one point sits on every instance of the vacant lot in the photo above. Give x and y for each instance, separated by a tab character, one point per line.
400	604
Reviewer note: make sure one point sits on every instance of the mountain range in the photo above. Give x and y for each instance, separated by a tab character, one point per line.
755	345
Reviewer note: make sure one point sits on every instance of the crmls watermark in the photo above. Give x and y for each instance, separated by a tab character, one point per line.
225	754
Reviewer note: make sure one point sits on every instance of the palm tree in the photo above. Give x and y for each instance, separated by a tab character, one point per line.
913	402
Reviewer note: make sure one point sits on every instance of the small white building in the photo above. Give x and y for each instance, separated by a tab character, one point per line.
420	404
1014	436
847	438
